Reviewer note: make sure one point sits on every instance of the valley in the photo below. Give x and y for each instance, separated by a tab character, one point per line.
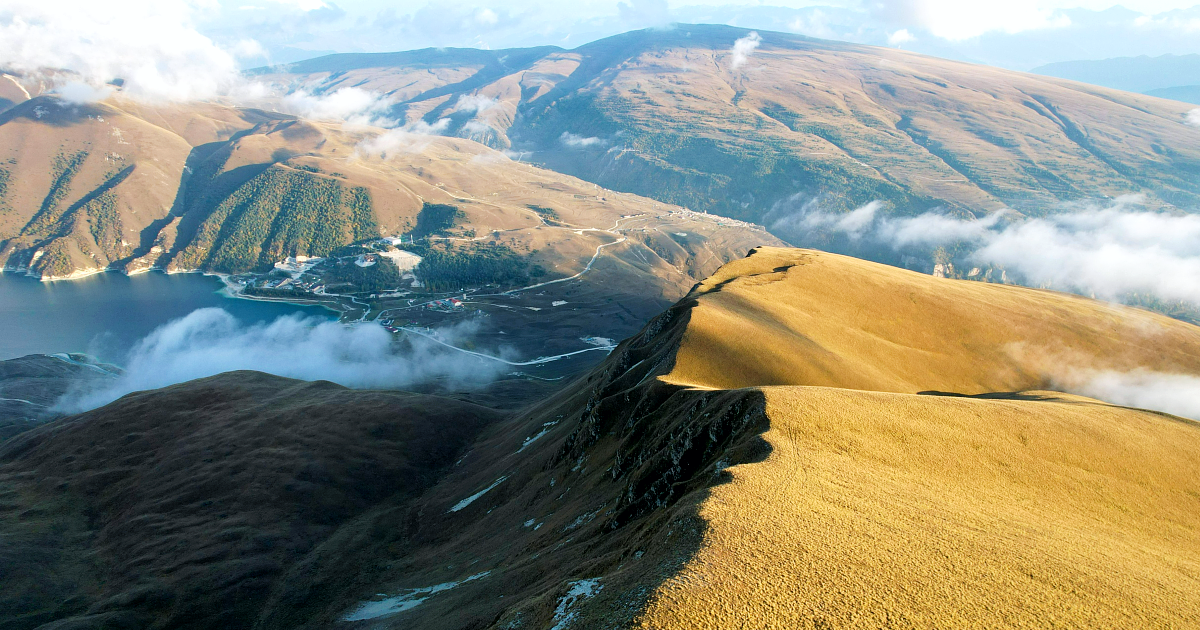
314	213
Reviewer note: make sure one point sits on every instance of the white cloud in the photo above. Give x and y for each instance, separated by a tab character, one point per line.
635	13
150	44
1107	251
475	128
574	141
1180	23
486	17
477	103
810	218
80	92
813	22
743	48
411	138
351	104
956	20
211	341
936	229
303	5
1176	394
1193	117
901	36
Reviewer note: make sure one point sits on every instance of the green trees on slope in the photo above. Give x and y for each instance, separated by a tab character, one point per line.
445	267
381	276
281	212
64	169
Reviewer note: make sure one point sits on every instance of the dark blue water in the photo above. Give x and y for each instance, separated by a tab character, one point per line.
105	314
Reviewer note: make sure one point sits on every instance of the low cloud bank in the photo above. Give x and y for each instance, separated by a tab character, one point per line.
411	138
1109	251
1176	394
350	104
152	46
477	103
958	21
210	341
1193	117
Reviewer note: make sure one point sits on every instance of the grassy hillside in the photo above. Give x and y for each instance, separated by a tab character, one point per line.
663	113
86	187
248	472
281	212
128	186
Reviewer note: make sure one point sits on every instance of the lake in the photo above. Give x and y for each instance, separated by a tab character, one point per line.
105	314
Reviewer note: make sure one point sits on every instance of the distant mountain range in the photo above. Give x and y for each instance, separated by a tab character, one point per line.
674	115
1149	75
1183	93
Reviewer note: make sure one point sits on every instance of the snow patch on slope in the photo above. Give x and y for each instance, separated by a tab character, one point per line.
404	601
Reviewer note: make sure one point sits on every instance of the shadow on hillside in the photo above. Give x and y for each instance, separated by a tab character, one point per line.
1024	396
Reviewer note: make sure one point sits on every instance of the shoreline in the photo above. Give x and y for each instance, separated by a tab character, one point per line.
229	290
233	291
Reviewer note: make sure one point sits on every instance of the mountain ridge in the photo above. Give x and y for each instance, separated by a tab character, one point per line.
844	123
645	493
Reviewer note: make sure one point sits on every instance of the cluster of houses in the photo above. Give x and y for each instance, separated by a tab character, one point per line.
445	306
285	283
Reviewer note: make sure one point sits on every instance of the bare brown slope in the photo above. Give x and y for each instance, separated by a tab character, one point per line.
209	187
85	185
497	196
673	119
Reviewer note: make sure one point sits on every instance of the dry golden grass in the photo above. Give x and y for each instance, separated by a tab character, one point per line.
889	509
801	317
892	510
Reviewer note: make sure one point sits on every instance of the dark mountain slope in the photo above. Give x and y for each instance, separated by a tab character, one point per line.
31	385
184	507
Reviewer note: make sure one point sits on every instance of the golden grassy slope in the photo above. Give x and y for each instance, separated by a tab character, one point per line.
890	510
802	317
882	509
869	508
